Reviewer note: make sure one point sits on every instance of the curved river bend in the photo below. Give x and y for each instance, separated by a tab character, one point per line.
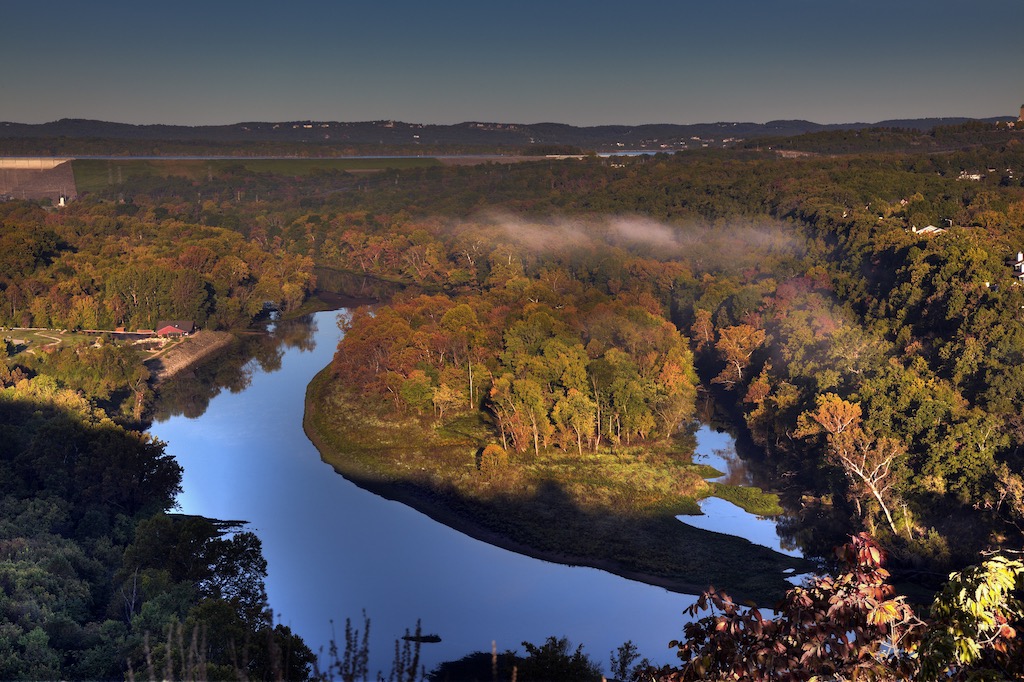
335	550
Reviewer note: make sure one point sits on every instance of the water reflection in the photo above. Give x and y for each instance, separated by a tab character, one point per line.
814	527
189	393
334	549
718	449
721	516
807	528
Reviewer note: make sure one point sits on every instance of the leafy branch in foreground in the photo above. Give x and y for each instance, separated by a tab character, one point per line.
852	626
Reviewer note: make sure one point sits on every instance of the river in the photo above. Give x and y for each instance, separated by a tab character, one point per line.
335	550
718	449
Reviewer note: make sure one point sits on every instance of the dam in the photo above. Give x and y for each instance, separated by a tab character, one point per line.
37	178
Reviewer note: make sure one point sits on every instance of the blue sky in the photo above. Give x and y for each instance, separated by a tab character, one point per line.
584	62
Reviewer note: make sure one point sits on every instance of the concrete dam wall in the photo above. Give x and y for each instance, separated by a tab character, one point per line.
37	178
31	163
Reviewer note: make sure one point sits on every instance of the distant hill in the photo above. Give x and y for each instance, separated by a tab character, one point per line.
397	132
83	136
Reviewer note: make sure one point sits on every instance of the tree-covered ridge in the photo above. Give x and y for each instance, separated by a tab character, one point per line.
107	265
333	138
897	136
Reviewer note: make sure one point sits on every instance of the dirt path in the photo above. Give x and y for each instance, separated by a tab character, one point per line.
186	353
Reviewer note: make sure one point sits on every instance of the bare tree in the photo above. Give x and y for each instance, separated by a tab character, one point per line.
870	464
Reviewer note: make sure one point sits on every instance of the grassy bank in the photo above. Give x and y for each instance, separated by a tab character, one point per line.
749	498
610	510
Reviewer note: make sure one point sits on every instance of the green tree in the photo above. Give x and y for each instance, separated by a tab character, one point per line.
975	621
575	414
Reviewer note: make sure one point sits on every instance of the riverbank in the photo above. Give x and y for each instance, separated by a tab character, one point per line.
612	511
335	550
186	353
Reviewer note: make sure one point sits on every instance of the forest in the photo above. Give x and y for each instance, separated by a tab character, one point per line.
99	580
560	314
802	286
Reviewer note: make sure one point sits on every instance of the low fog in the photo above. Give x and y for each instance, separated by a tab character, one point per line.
703	246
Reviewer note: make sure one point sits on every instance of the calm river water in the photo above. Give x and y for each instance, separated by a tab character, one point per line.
335	550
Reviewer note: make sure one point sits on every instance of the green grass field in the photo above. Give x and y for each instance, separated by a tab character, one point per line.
26	339
93	175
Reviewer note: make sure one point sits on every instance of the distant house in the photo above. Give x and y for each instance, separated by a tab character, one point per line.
1018	266
174	328
928	229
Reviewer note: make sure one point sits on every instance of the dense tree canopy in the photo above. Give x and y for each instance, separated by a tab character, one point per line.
573	304
95	573
101	266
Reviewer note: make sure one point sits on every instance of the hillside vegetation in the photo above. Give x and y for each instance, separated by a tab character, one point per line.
554	326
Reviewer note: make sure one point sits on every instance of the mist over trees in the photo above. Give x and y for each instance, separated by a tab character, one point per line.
573	306
814	284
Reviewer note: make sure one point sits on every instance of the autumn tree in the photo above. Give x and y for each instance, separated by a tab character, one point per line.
833	627
463	329
735	346
574	414
521	412
852	625
703	329
872	465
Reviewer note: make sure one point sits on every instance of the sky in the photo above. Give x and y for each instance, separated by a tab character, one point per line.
582	62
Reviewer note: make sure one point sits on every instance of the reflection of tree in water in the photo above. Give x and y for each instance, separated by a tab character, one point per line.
190	392
707	407
297	333
814	528
354	285
736	472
